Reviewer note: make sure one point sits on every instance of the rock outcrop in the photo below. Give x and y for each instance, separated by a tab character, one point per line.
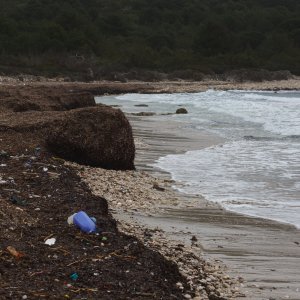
181	110
98	136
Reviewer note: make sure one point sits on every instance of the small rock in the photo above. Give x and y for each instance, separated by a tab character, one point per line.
187	296
194	239
141	105
181	110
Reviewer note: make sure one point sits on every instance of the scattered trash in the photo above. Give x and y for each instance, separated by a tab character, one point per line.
94	219
50	242
74	276
104	238
71	219
3	165
84	222
14	252
68	285
14	199
3	154
45	169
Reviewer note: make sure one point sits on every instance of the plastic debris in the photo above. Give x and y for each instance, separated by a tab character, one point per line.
3	153
74	276
104	238
50	242
14	199
84	222
14	252
71	219
94	219
45	169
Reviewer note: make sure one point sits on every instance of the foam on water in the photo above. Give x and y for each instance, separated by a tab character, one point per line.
257	171
255	178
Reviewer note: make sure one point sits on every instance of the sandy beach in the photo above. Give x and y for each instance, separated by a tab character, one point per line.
263	252
262	256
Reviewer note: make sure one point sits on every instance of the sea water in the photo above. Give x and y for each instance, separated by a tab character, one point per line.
256	171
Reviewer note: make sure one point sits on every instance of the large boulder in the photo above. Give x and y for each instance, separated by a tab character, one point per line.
98	136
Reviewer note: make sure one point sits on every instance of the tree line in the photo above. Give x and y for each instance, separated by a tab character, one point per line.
163	35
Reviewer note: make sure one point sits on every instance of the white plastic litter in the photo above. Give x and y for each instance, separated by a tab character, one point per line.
70	219
50	242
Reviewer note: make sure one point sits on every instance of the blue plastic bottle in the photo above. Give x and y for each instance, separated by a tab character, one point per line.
84	222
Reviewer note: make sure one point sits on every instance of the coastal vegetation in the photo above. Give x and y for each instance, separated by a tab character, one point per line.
100	36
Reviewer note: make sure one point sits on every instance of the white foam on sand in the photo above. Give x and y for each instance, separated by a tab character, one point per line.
249	177
257	171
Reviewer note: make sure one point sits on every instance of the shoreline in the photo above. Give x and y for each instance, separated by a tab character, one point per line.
181	86
197	253
217	223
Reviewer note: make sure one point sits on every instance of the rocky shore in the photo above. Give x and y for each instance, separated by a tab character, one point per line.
39	190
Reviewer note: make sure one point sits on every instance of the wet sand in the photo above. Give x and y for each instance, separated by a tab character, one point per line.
265	253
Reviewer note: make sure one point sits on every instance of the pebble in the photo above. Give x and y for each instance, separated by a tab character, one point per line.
24	297
187	296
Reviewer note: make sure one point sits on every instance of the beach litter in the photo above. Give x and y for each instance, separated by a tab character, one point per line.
83	222
74	276
14	252
50	242
4	154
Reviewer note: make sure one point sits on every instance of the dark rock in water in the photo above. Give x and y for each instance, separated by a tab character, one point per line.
98	136
181	110
74	100
141	105
144	114
194	239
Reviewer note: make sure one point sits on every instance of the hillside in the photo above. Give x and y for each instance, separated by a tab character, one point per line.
165	35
